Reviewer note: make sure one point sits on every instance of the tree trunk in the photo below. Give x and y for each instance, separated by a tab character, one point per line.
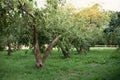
119	46
39	60
9	48
36	49
65	52
88	49
79	49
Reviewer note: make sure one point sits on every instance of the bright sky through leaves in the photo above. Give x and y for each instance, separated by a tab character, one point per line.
113	5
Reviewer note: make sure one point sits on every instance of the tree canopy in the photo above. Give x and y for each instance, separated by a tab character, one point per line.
58	25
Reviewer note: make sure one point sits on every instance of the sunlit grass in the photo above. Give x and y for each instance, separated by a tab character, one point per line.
99	64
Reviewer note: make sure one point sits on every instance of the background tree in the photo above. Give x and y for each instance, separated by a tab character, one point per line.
25	12
112	33
88	28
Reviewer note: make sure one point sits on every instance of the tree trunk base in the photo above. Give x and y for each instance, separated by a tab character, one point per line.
39	65
9	49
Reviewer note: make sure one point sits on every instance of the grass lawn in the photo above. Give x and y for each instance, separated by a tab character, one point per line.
99	64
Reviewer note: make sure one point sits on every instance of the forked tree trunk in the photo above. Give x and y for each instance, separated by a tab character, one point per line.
41	60
9	48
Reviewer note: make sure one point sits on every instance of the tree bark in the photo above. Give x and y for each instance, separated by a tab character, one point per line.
9	48
39	60
50	48
79	49
65	52
36	49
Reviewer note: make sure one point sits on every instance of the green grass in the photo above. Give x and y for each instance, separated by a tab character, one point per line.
99	64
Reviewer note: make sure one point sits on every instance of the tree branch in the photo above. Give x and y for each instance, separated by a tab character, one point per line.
21	7
50	47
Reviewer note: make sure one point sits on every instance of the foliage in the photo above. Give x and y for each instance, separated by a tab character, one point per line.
53	22
87	28
79	29
14	23
112	33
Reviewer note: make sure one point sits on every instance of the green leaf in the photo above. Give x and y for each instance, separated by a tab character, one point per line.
3	5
